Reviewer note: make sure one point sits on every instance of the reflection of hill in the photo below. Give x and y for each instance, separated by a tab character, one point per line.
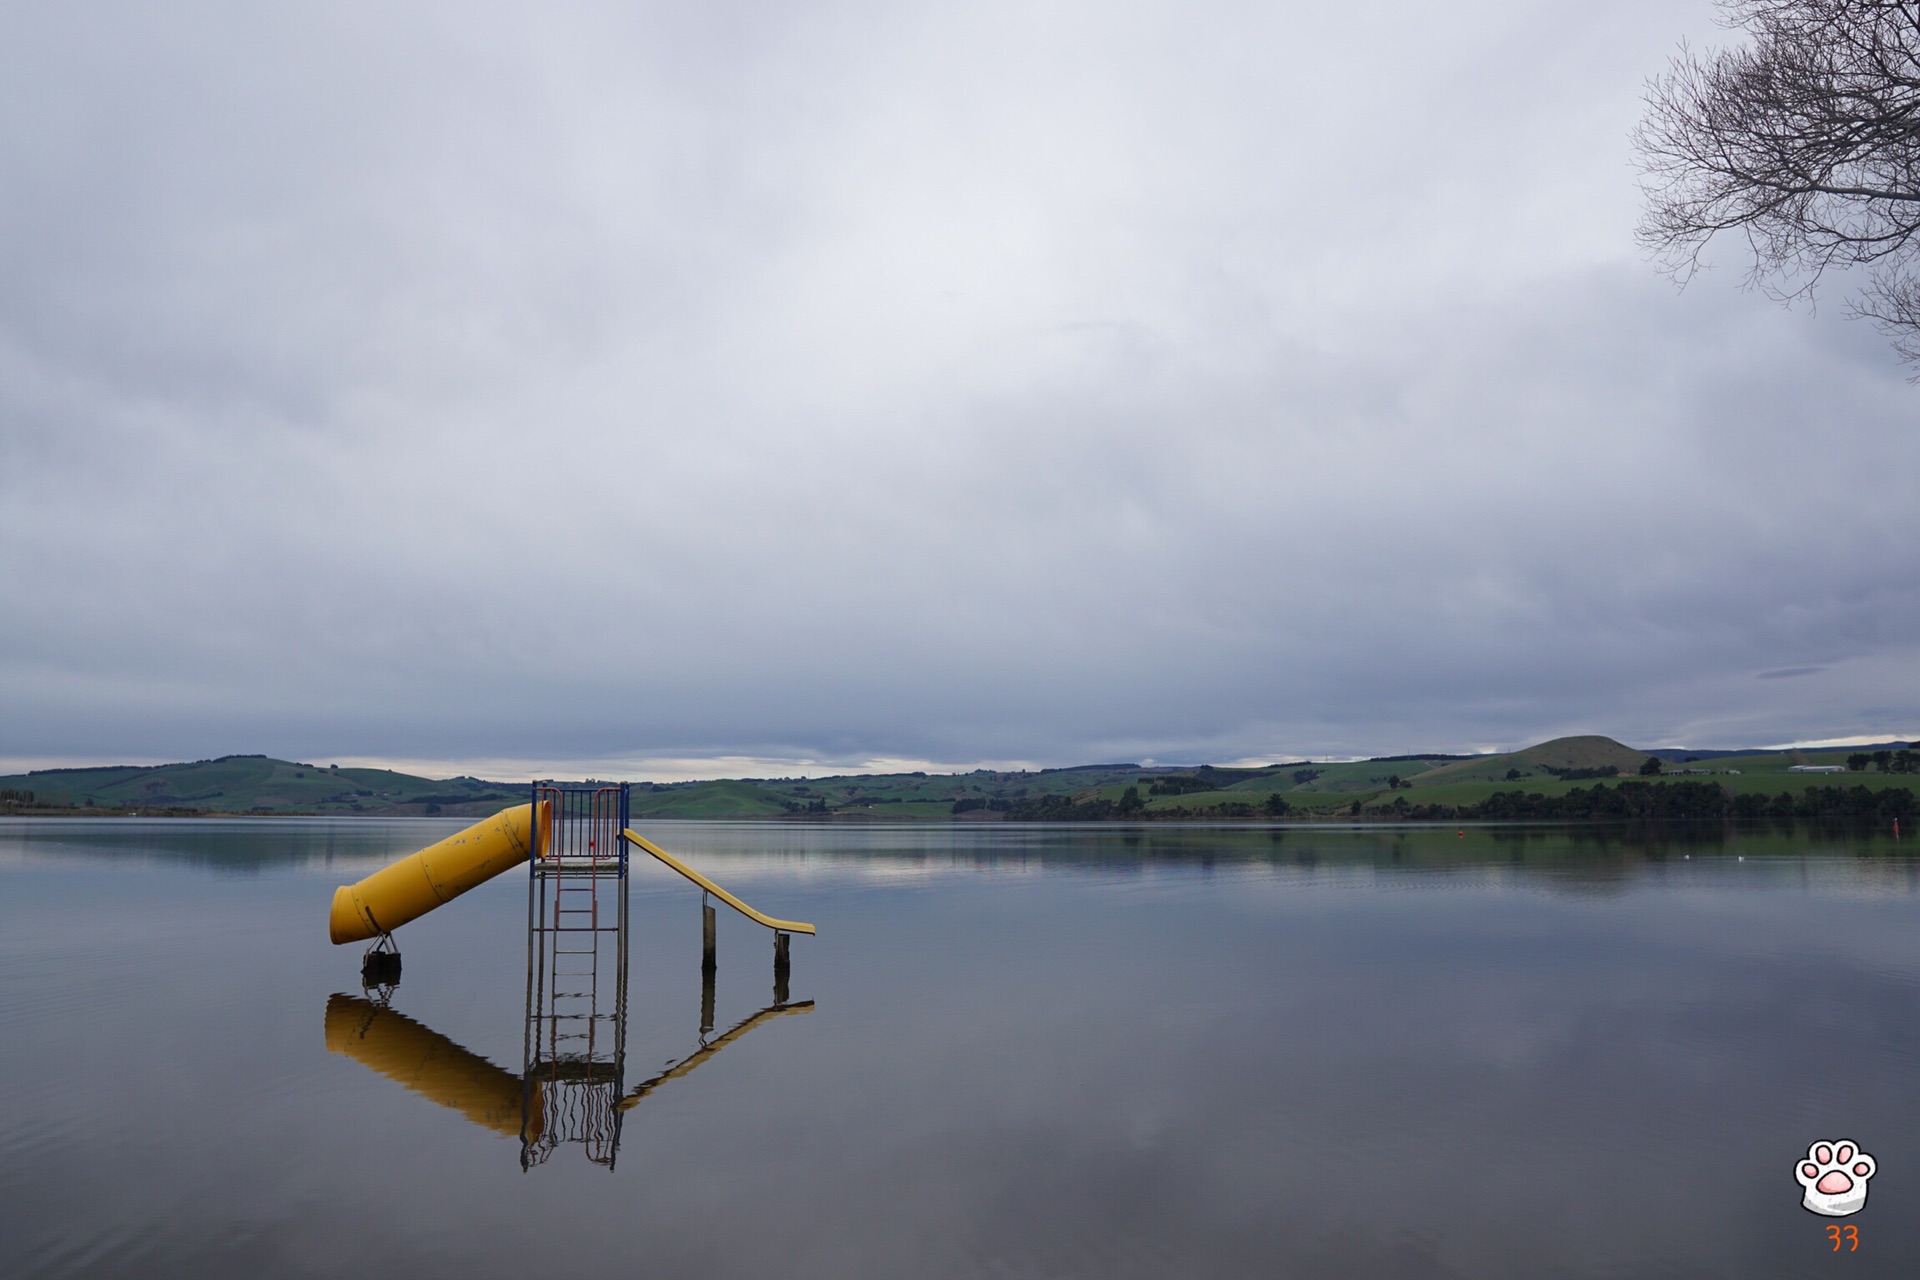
1592	853
223	844
1589	879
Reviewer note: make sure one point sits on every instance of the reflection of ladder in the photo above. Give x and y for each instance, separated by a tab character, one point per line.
575	1048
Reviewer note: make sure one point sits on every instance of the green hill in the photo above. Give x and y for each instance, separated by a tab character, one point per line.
1345	776
252	784
1548	759
728	798
1435	785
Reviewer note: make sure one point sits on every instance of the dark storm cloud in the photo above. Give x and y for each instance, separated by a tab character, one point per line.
836	382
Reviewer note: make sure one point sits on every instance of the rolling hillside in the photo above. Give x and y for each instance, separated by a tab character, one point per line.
1549	759
1437	786
251	784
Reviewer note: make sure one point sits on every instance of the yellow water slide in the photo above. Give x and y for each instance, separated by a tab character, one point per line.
438	874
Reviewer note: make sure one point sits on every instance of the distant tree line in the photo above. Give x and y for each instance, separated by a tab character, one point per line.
1629	800
1129	807
1182	784
1668	801
14	800
992	803
1885	761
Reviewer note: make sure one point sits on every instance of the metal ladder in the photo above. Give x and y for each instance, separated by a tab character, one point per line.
575	1046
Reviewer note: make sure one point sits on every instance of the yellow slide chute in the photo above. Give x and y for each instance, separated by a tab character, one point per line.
758	917
438	874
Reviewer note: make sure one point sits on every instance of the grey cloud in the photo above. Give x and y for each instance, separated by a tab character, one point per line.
851	380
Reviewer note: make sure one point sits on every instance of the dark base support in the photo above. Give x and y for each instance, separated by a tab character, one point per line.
380	967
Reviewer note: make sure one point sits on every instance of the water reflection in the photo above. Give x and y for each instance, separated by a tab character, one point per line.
417	1057
571	1102
710	1047
253	846
1267	1059
571	1089
1546	852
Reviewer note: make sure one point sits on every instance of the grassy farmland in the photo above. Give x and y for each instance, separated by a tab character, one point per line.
1431	786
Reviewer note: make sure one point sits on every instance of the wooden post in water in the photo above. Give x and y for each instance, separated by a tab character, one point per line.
782	966
706	1002
709	963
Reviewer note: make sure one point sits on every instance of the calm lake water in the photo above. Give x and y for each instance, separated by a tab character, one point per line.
1030	1052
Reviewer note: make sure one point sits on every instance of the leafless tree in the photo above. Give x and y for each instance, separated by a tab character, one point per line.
1806	140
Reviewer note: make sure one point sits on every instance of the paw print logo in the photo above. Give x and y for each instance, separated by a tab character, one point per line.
1835	1177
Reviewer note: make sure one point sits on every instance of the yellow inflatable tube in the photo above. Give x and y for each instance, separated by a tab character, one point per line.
437	874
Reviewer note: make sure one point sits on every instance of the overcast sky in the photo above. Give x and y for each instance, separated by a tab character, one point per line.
695	388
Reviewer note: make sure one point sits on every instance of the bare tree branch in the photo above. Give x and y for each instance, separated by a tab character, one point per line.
1805	140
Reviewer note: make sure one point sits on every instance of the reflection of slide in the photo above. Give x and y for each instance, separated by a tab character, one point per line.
437	874
428	1063
708	1049
431	1065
